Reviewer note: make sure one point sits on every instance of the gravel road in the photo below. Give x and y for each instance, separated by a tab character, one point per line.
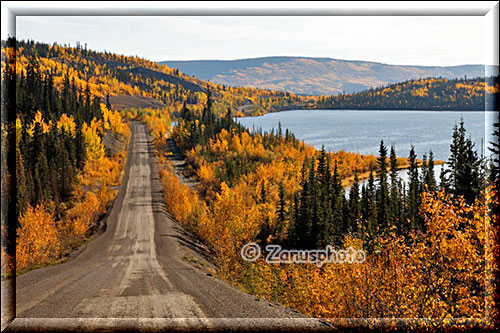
135	274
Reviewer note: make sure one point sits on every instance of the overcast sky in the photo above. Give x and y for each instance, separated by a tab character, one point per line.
442	41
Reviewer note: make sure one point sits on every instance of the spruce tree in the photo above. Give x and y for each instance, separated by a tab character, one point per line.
413	198
444	181
281	211
468	175
338	227
382	191
429	177
21	186
364	211
325	216
371	218
263	194
301	220
495	149
464	165
395	194
312	208
338	224
354	205
294	229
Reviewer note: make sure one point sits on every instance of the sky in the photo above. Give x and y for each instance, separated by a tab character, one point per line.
411	40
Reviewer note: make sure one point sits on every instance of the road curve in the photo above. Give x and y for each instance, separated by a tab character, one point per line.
133	275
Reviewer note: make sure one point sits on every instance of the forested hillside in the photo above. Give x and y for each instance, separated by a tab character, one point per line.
425	94
65	174
110	76
317	76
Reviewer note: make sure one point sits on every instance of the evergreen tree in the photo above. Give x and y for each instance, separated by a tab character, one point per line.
401	225
336	181
383	190
312	209
371	209
228	120
464	165
281	211
299	237
468	177
495	149
294	229
395	193
444	182
423	173
325	221
364	211
108	104
339	225
413	198
22	192
354	205
263	195
429	178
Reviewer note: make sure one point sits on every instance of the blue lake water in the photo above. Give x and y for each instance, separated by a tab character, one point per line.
361	131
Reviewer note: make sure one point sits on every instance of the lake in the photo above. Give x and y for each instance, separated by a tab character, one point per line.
361	131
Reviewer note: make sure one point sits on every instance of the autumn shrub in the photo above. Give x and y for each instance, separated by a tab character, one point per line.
38	240
8	263
158	123
228	225
180	200
114	122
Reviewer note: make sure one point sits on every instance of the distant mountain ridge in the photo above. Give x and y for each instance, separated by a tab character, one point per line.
317	76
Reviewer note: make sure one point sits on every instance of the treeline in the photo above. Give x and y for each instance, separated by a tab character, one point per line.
476	94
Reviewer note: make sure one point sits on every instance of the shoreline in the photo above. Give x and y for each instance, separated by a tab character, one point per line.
245	115
349	181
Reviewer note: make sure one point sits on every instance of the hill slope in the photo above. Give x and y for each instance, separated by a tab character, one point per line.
423	94
127	82
315	76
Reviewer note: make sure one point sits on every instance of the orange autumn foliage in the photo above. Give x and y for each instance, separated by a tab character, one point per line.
229	224
437	273
38	240
43	238
102	73
114	122
158	122
180	200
